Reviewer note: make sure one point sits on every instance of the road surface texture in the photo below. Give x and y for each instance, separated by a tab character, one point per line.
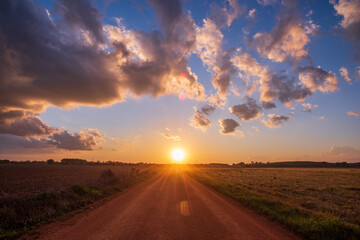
169	206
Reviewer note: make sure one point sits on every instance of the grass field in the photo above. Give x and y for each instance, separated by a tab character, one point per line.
34	194
317	203
20	180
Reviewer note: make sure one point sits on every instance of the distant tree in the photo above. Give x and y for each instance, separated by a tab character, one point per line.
73	161
50	161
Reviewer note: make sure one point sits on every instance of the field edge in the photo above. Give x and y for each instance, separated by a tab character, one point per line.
26	215
306	223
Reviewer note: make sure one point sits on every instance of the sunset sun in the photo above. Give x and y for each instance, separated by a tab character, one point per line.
178	155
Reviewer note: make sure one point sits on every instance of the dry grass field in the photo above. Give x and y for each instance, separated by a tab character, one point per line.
312	202
20	180
34	194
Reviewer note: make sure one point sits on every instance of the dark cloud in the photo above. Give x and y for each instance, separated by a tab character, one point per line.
82	14
228	126
246	111
73	141
64	60
268	105
60	139
25	127
168	12
224	16
43	63
62	69
274	121
15	144
199	120
6	116
284	88
208	109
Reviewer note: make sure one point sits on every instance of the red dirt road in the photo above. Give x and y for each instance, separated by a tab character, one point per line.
170	206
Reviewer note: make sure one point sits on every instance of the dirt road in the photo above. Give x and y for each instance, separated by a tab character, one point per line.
170	206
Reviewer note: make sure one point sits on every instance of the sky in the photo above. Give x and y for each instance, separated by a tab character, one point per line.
226	81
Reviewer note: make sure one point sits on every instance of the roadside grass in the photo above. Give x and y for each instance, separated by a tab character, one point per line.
20	215
307	223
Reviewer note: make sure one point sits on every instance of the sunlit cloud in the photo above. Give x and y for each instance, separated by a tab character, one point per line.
352	113
307	107
350	11
287	39
345	74
318	79
252	13
274	120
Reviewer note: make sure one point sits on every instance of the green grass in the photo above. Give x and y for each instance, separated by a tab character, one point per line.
19	215
310	224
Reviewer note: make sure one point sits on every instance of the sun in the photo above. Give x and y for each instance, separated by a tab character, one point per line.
178	155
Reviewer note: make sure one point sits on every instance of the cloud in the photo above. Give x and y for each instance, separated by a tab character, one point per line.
350	10
209	49
266	2
286	40
94	132
268	105
357	73
175	138
272	85
83	15
251	13
73	141
199	120
274	121
226	15
59	139
156	63
53	63
318	79
351	113
342	153
208	109
49	64
345	74
26	127
15	144
228	126
74	59
307	107
246	111
168	135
